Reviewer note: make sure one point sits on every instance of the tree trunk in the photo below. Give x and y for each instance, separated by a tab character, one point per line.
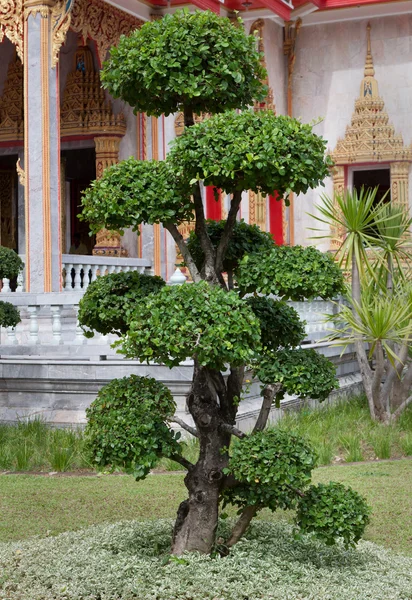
197	517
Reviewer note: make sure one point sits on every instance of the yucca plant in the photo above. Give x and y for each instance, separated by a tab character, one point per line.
375	248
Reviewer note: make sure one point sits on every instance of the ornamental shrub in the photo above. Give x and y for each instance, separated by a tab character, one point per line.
271	466
280	324
256	151
300	371
292	272
193	321
10	263
195	59
333	511
109	301
246	239
9	315
126	425
133	191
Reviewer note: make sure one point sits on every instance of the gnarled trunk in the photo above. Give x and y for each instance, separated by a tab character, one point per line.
197	517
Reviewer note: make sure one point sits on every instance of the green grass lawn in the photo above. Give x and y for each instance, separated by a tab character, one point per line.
43	505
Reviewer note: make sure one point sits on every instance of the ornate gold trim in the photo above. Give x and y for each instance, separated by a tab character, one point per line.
108	243
102	23
11	23
20	173
370	137
257	30
61	17
12	103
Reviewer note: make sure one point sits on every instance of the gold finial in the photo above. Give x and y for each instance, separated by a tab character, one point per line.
369	68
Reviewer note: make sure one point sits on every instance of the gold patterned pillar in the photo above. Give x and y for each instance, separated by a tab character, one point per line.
400	183
108	243
257	210
337	233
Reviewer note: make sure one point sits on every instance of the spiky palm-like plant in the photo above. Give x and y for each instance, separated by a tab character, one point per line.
374	248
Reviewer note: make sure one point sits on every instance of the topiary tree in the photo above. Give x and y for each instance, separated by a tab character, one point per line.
10	263
201	63
9	315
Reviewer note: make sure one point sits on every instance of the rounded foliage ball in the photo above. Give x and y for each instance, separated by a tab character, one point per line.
126	425
332	511
280	324
198	60
256	151
291	272
193	321
269	465
109	301
10	263
245	240
134	191
301	371
9	315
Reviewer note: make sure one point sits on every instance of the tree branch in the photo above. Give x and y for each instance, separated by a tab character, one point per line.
182	461
201	232
187	257
241	525
227	231
184	426
233	430
269	392
401	408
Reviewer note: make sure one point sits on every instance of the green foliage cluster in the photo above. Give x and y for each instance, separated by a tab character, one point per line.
197	59
280	324
270	465
133	191
274	470
246	239
252	151
292	272
301	371
126	425
333	511
109	301
195	320
9	315
10	263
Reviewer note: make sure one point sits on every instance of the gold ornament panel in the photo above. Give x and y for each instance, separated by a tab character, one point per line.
102	23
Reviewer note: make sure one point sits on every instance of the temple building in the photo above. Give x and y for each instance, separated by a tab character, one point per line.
345	65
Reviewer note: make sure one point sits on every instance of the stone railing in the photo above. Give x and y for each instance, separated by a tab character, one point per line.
51	320
79	271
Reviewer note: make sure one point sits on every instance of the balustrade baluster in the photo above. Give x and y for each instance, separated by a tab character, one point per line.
79	339
20	282
6	286
34	325
11	336
77	277
56	324
95	268
86	276
69	278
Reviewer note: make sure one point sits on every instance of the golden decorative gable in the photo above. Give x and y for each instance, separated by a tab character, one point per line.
85	110
11	103
370	137
102	23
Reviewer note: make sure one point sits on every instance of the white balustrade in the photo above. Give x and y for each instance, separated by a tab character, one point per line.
82	270
6	286
56	326
34	325
11	336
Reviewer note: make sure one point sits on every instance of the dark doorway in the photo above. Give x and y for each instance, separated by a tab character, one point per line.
380	178
80	170
8	202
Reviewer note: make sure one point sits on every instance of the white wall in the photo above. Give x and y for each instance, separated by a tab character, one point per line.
328	72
